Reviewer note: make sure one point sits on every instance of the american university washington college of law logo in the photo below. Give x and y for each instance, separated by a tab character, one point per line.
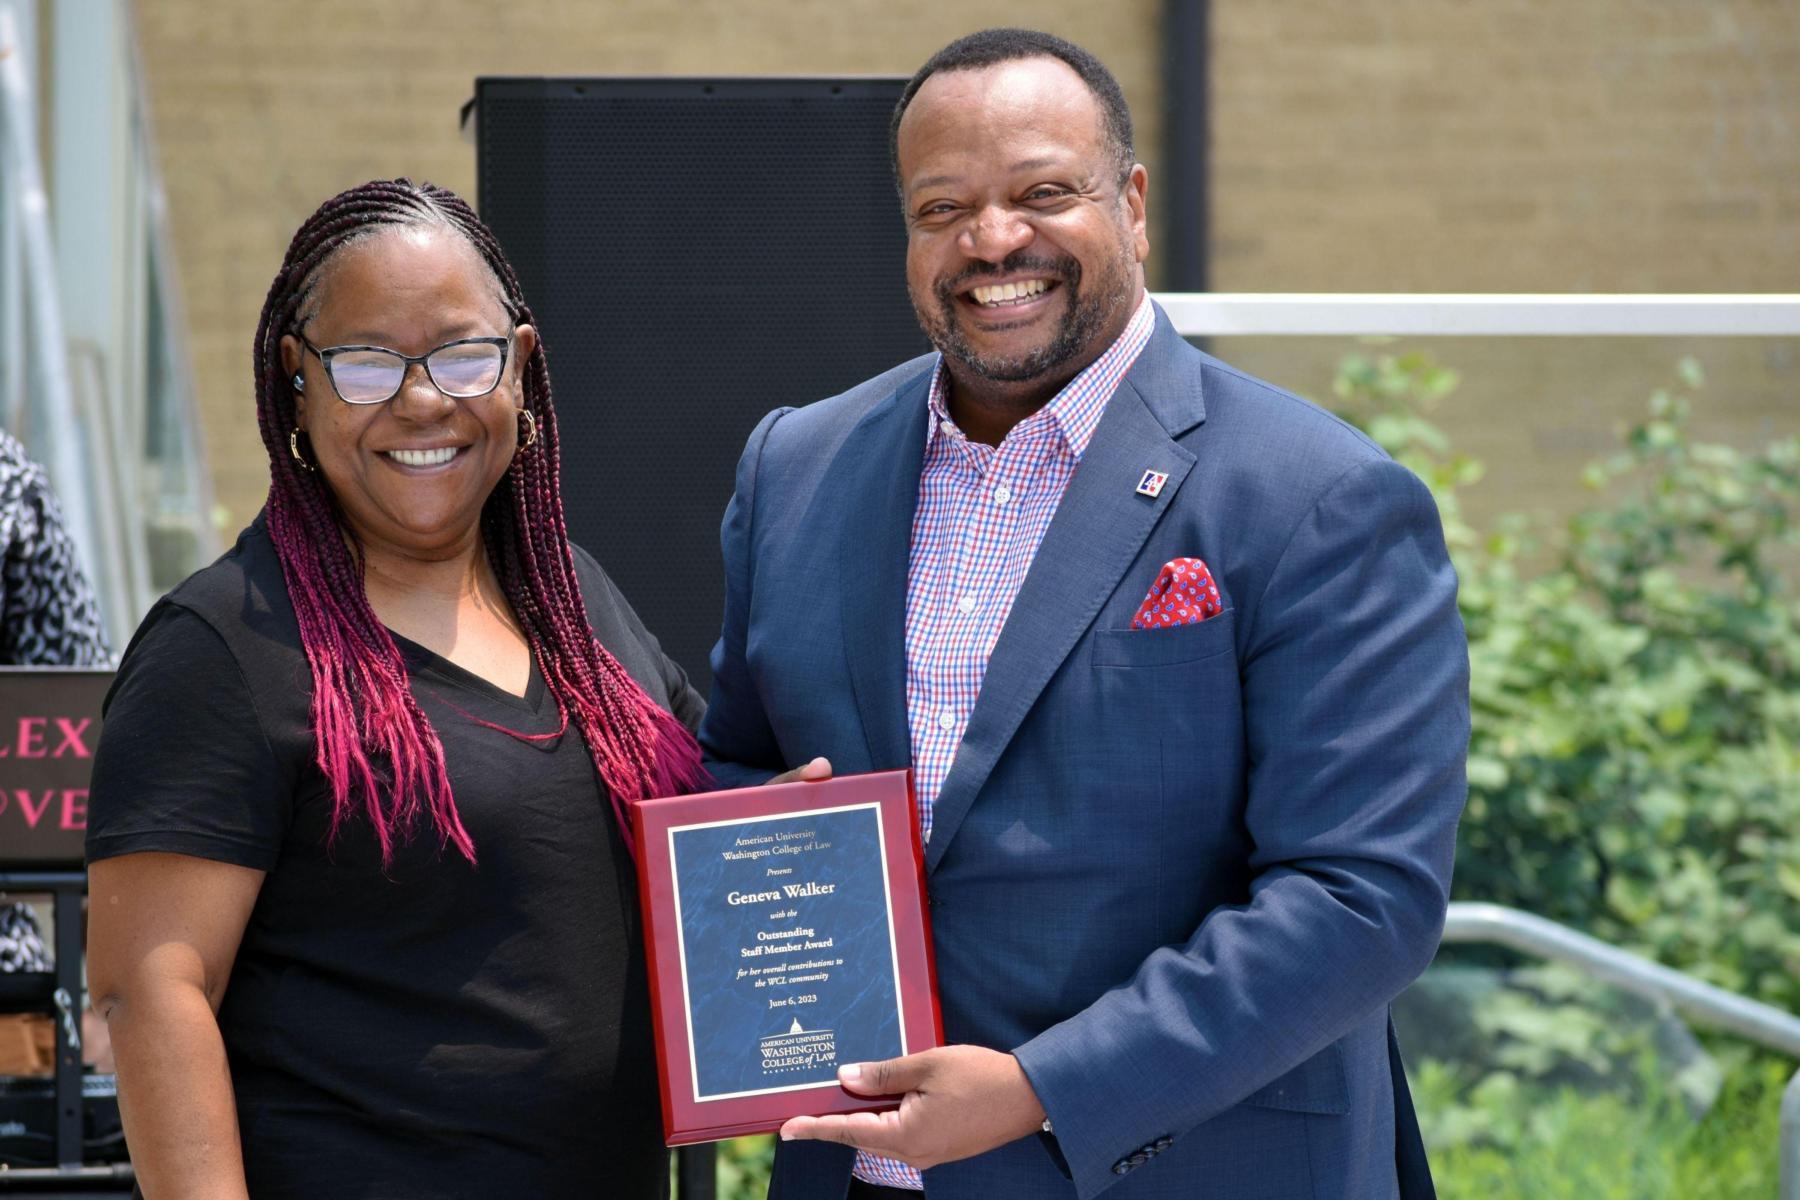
797	1049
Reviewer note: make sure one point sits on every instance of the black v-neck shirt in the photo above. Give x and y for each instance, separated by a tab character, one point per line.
433	1029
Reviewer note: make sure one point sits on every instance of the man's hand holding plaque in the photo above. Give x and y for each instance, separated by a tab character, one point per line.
957	1102
816	771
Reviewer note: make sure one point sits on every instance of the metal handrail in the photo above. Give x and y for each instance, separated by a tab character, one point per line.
1790	1140
195	466
1763	1024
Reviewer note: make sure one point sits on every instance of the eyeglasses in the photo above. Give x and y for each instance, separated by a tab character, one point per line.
463	369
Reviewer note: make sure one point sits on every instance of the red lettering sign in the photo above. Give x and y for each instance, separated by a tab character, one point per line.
49	729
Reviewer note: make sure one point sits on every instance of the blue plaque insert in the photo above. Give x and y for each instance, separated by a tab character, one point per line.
788	964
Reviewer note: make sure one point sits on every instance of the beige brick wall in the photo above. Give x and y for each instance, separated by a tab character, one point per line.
1449	145
261	111
1536	411
1518	146
1507	145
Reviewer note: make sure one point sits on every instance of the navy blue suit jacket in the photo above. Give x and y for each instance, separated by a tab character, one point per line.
1179	873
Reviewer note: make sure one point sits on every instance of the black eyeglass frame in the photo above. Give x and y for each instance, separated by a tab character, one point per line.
407	360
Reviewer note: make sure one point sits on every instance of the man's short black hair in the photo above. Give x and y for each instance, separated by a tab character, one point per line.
993	46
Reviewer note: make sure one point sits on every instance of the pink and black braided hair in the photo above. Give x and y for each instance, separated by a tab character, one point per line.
374	744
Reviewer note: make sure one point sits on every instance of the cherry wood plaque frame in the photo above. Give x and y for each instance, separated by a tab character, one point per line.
686	1118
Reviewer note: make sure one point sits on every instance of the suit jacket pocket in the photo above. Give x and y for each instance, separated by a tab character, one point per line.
1315	1086
1165	647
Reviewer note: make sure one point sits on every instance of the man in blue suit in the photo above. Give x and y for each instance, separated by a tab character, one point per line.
1176	660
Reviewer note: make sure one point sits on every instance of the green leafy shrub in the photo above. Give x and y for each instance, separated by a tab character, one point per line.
1570	1145
1634	771
1635	764
744	1166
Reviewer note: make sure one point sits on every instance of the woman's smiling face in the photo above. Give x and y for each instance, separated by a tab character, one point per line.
409	289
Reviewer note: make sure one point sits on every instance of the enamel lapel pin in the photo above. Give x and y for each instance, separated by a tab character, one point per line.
1151	484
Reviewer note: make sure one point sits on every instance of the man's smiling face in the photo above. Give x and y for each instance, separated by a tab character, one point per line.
1025	245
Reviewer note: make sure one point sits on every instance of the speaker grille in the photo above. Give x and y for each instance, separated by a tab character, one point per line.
697	253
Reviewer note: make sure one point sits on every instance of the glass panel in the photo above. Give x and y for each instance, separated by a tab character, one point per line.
12	316
174	483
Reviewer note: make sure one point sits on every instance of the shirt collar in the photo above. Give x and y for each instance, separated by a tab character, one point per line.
1075	411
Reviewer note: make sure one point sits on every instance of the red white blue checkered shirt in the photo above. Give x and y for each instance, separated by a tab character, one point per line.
982	513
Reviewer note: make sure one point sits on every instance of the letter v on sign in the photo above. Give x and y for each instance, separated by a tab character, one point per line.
32	815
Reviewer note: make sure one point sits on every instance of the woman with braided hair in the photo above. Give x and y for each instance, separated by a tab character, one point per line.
363	912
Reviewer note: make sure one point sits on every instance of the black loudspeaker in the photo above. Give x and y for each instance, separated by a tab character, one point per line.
697	252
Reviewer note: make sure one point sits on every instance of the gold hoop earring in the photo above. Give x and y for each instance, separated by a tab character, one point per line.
294	449
531	432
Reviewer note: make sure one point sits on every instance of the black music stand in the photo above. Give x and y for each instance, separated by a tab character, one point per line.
49	722
57	992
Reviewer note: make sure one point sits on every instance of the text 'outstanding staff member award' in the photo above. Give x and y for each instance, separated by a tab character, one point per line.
786	933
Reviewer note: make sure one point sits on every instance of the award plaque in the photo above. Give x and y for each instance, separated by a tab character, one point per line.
786	933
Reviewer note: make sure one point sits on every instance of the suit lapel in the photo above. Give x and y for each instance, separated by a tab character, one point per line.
1098	529
879	466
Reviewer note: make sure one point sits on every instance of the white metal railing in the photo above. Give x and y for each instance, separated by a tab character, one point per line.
99	390
1714	1006
1222	314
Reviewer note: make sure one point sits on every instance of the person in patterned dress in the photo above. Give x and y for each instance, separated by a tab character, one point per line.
48	614
49	617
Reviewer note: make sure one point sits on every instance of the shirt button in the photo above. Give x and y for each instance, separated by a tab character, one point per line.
1002	494
946	720
966	605
947	427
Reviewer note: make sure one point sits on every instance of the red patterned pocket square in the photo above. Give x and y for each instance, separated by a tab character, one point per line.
1184	593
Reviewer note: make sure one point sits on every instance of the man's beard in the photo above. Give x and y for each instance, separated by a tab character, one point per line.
1085	313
